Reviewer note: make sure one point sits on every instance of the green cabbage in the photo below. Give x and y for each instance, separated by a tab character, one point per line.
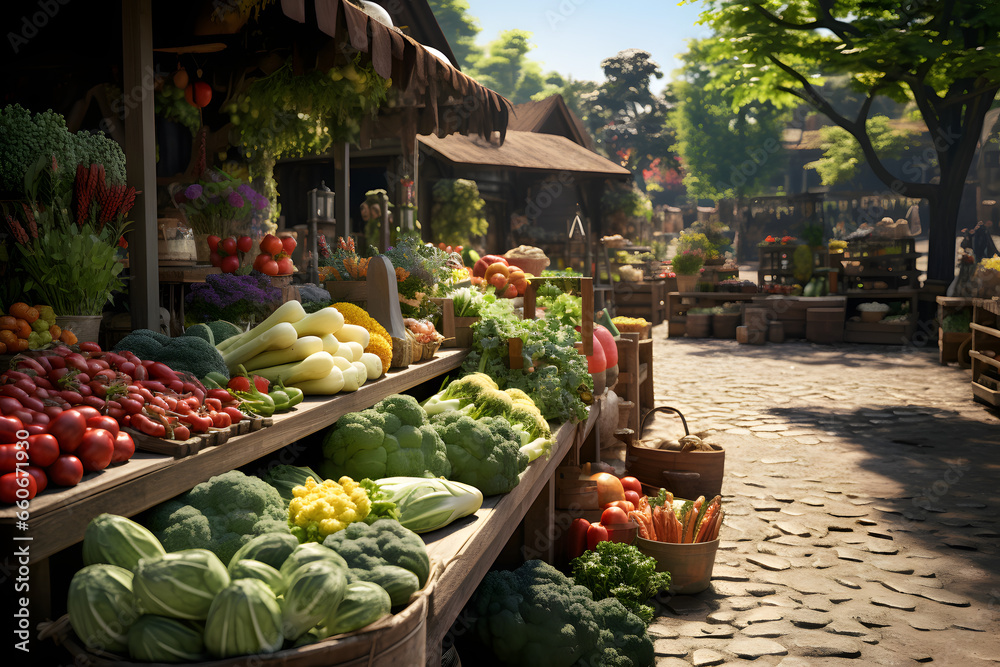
364	603
116	540
307	553
314	590
270	548
160	639
180	584
254	569
245	618
101	607
428	504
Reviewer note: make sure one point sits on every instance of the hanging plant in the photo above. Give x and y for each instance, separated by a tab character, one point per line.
286	115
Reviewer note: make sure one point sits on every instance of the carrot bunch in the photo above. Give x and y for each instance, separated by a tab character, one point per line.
694	521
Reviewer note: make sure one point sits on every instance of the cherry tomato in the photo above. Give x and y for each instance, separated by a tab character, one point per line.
244	243
103	421
596	533
43	449
68	429
96	449
41	479
614	515
124	448
288	244
632	484
228	245
16	486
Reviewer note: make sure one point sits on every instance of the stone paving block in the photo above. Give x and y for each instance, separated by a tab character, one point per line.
826	645
769	630
743	603
844	553
704	657
685	605
722	617
663	628
801	580
847	627
809	618
758	615
769	562
793	528
895	565
755	648
782	601
925	622
670	648
894	601
724	573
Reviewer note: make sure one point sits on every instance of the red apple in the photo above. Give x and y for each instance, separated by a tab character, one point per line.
230	264
228	245
213	242
285	266
271	244
244	243
288	243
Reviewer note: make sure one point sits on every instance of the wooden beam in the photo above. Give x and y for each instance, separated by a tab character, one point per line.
342	186
140	156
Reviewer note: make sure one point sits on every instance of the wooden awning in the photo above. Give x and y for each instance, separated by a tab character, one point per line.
526	151
433	97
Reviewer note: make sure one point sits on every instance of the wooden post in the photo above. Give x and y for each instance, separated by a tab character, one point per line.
140	155
342	186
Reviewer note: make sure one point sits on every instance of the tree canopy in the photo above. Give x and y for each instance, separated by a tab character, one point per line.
940	53
842	155
460	28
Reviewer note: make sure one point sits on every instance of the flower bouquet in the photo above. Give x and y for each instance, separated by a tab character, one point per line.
219	204
235	298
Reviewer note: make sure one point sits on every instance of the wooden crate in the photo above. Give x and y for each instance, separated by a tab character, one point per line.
949	343
646	300
878	333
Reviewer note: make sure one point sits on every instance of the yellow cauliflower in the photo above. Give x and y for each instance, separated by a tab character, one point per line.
319	509
380	343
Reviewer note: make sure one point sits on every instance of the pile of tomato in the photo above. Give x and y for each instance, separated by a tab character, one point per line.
617	497
63	412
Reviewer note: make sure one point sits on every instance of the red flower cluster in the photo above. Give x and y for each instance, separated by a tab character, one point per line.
91	188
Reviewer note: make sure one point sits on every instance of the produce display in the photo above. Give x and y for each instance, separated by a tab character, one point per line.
319	509
535	616
621	571
425	504
666	519
30	328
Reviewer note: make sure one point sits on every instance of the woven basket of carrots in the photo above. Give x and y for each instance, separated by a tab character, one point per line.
682	535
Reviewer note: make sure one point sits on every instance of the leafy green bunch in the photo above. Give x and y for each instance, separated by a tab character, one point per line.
621	571
554	374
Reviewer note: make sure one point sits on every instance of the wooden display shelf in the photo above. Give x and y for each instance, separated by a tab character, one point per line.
642	299
949	342
59	518
985	328
678	303
878	333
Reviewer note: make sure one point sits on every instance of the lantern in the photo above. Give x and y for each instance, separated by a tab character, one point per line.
320	204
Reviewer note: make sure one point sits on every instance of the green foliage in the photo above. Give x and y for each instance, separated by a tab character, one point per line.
621	571
460	28
26	138
688	262
628	199
506	68
843	156
456	217
170	104
719	141
699	241
802	263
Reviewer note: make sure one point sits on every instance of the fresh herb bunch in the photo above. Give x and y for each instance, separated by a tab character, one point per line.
688	262
554	373
618	570
231	297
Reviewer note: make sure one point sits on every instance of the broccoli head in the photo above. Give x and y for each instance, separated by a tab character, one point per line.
222	329
220	515
385	542
537	616
484	454
193	354
143	343
391	439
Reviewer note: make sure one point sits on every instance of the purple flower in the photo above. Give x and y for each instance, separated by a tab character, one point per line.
246	190
192	191
235	200
260	202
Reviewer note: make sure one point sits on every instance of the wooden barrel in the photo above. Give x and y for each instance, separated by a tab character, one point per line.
699	325
724	325
776	332
825	325
755	318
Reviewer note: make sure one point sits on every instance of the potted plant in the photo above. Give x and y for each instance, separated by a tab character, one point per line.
69	232
217	205
687	265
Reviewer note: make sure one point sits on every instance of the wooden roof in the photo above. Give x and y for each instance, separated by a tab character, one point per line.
526	151
550	116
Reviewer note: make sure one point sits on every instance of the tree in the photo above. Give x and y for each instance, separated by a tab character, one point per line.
506	69
940	53
627	120
459	28
842	155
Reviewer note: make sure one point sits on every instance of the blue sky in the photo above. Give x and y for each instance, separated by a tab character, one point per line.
573	36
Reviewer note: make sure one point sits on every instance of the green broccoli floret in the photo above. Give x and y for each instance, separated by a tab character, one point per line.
373	550
223	329
484	454
460	394
537	617
220	515
141	344
160	338
192	354
390	439
202	331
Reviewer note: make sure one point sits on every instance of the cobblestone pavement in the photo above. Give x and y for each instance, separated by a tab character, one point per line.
861	490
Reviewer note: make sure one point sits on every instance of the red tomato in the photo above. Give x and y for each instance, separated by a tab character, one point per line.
576	539
41	479
285	266
228	245
632	484
124	448
43	449
9	457
9	426
66	471
87	411
68	429
596	533
614	515
213	242
270	268
96	449
229	264
271	244
16	486
239	383
263	384
109	424
198	94
288	244
244	243
632	497
215	258
620	504
258	263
